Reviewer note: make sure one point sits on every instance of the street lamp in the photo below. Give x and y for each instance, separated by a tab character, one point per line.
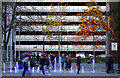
67	38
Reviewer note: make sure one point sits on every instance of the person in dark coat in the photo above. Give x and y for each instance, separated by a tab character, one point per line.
42	63
25	61
47	62
78	64
37	57
67	59
69	63
52	60
34	56
108	63
31	61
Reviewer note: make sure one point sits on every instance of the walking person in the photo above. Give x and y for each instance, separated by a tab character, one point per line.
53	60
78	64
37	57
31	62
22	57
67	60
112	66
42	63
47	62
25	61
108	63
69	63
62	60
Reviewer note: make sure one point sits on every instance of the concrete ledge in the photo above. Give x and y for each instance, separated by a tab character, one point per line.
61	77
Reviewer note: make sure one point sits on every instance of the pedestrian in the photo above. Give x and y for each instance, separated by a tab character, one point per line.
47	62
25	60
67	59
69	63
22	57
53	60
42	63
89	60
108	63
34	56
31	61
78	64
37	57
62	60
112	66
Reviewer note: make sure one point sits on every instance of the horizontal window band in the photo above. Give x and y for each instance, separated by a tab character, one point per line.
56	3
55	33
50	13
72	52
56	43
45	23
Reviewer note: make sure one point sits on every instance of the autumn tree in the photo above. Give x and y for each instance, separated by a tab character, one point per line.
93	21
54	22
9	22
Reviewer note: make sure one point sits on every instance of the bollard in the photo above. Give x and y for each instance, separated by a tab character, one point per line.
118	66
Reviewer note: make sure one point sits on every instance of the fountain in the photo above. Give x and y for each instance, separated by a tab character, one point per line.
10	66
4	68
17	66
93	67
33	70
60	68
50	63
38	69
55	65
71	69
82	69
76	69
29	66
15	69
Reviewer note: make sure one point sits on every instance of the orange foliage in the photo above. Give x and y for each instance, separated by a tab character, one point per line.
92	20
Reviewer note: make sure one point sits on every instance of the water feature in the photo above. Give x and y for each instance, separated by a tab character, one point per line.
17	66
82	69
4	68
60	68
38	69
76	69
15	69
10	66
93	66
50	63
55	65
71	69
29	66
33	70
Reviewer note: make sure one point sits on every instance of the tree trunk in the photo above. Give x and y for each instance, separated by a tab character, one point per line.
93	47
4	52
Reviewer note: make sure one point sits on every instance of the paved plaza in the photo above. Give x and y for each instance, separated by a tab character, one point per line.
86	72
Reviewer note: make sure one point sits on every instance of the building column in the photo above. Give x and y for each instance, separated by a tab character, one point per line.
0	39
107	34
